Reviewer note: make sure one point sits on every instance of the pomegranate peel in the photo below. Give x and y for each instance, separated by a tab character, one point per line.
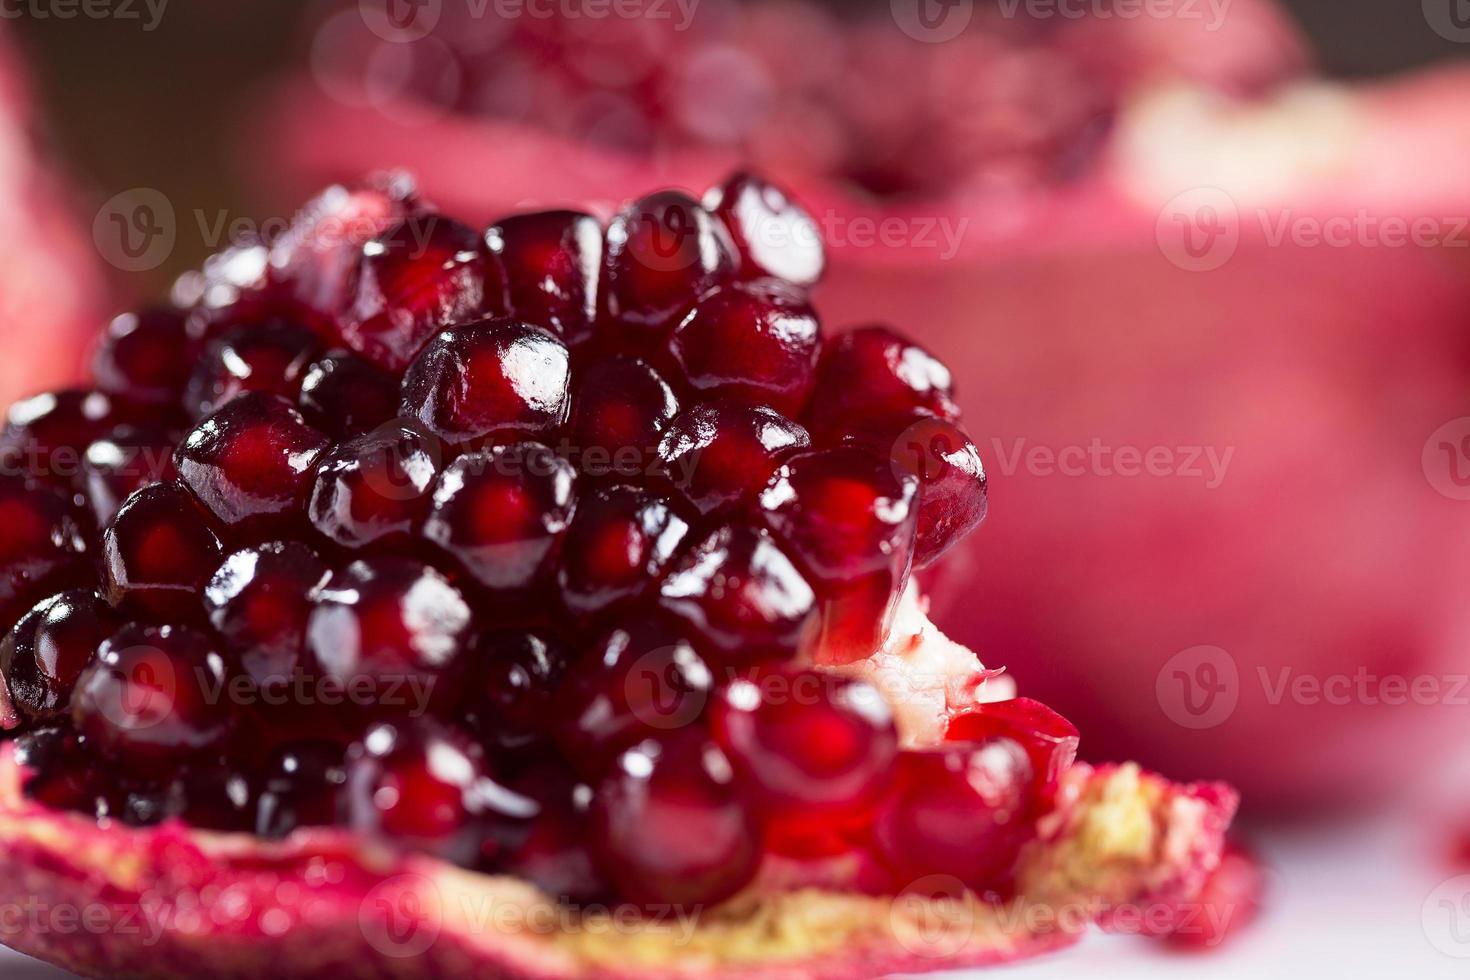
322	900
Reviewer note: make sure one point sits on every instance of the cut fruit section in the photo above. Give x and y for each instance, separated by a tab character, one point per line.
525	650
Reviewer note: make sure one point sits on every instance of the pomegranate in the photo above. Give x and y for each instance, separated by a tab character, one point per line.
452	656
1162	236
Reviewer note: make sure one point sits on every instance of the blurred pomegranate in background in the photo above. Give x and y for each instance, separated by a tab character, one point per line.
50	283
1208	309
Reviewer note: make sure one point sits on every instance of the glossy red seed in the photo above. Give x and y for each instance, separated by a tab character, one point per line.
154	698
774	235
874	372
259	599
848	518
145	357
128	458
493	379
393	629
555	856
553	264
953	494
501	513
345	396
634	682
753	340
1049	739
513	678
669	827
959	811
621	407
251	460
418	277
617	549
300	786
45	435
270	358
430	789
739	594
664	251
817	751
375	486
44	654
721	453
158	552
43	547
316	258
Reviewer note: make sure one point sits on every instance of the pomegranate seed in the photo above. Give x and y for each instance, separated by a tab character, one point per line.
42	548
555	855
153	699
259	599
669	828
621	407
818	751
128	458
634	682
663	253
44	654
145	357
739	593
721	453
508	700
774	235
1049	739
299	788
494	378
617	548
849	520
45	435
344	396
502	512
394	628
422	275
952	485
430	789
318	255
270	358
553	262
376	486
158	552
251	460
754	340
958	811
873	372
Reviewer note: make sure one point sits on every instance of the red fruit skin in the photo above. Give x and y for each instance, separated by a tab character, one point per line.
1231	900
1282	340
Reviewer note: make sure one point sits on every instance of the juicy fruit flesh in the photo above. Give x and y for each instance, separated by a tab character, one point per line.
513	548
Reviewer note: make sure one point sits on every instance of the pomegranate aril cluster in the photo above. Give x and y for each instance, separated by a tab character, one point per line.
528	547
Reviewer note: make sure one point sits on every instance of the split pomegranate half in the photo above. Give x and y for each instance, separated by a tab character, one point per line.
406	599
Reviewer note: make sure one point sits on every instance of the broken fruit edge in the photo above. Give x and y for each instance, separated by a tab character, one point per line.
178	903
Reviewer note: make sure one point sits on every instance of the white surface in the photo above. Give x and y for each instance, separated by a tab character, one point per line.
1348	901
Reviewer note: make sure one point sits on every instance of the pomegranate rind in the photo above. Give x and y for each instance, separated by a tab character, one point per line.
170	902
